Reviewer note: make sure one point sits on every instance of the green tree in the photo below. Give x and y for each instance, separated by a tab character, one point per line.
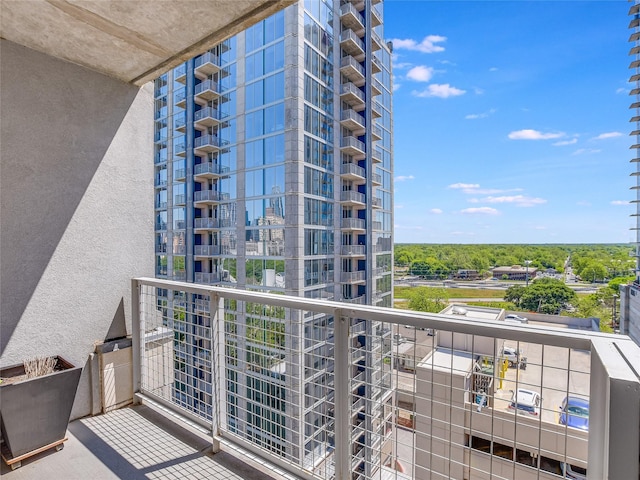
514	294
593	271
426	299
546	295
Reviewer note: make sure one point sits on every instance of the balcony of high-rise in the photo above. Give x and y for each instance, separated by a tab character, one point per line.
353	96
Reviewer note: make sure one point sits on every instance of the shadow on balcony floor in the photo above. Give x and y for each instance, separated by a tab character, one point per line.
132	443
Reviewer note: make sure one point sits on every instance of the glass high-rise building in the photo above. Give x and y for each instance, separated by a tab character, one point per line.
273	172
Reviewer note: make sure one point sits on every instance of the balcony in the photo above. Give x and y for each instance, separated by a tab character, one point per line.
207	144
351	43
376	87
376	41
207	117
353	277
352	146
180	98
376	156
354	224
353	173
353	121
180	175
352	70
180	200
180	74
206	65
376	133
352	250
209	197
210	170
353	198
201	277
376	109
376	64
376	226
376	17
206	91
376	179
180	122
206	250
351	18
179	149
353	96
376	202
206	223
176	431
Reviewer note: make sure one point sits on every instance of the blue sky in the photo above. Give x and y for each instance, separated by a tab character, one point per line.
511	121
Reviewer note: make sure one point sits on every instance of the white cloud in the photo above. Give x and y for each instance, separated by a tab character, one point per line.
439	90
478	91
436	211
620	202
402	178
604	136
464	186
621	90
528	134
583	151
475	116
420	73
518	200
474	189
480	210
583	203
396	86
540	227
493	69
401	65
427	45
565	142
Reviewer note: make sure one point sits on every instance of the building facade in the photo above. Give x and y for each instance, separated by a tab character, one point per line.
630	294
273	173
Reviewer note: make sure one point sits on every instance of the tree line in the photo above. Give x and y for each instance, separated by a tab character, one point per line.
591	262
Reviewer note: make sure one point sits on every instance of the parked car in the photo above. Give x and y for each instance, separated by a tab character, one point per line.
514	357
574	412
513	318
573	472
526	400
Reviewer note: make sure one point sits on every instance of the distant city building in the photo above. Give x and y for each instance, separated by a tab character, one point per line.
467	275
630	294
515	272
273	172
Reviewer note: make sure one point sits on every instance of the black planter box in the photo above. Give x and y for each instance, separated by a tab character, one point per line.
35	412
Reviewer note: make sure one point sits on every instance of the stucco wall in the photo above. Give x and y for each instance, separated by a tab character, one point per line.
76	203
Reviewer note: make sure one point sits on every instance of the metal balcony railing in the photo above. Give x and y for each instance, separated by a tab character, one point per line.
389	389
352	196
351	169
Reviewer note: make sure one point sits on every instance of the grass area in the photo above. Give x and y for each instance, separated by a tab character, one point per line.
403	292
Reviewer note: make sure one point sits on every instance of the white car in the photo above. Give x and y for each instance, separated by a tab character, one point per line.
512	355
573	472
526	400
513	318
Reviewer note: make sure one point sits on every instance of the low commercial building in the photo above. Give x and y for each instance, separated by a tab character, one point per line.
514	272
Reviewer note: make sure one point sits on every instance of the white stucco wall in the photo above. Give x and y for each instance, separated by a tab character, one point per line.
76	207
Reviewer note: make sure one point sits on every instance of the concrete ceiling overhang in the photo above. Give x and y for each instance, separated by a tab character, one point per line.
132	40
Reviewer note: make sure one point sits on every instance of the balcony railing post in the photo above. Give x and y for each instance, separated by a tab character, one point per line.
614	409
216	357
342	408
136	326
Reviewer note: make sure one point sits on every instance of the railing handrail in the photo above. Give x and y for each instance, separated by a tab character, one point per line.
561	337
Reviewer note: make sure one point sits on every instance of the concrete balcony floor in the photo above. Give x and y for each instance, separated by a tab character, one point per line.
134	443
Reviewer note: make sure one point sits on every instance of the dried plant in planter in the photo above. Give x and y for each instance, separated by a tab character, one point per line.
39	366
